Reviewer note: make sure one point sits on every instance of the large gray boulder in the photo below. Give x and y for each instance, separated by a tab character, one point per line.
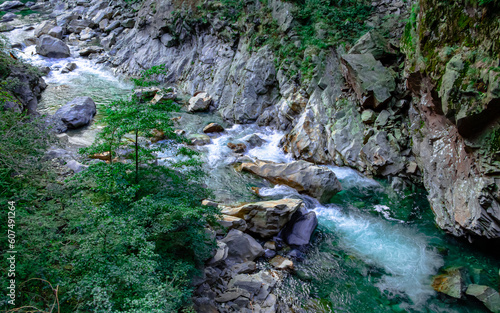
487	295
376	44
299	230
372	82
200	102
241	247
266	218
51	47
8	5
305	177
44	28
74	114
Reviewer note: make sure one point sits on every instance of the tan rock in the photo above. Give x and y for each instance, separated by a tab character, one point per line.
281	263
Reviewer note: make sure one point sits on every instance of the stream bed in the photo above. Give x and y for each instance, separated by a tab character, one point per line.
375	248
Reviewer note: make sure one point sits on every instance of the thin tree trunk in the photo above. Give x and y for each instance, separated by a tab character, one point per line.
136	157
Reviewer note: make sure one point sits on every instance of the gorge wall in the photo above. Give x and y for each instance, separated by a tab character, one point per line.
410	95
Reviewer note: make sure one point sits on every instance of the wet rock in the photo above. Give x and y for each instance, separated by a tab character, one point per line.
85	52
213	128
242	247
69	67
372	82
305	177
51	47
268	253
199	139
7	18
487	295
281	263
9	5
75	114
254	141
266	218
299	230
450	283
237	147
200	102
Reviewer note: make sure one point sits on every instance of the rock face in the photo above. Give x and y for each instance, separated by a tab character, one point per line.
266	218
51	47
372	82
242	247
74	114
307	178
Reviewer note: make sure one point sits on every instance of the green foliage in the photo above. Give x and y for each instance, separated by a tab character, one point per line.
108	241
493	141
146	77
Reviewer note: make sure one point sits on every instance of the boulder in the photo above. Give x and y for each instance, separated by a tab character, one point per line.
76	26
258	285
44	28
128	23
90	50
9	5
266	218
220	253
74	114
305	177
254	141
76	166
87	33
281	263
7	18
371	81
108	41
112	26
242	247
368	116
199	139
232	222
237	147
164	95
51	47
487	295
200	102
244	268
450	283
299	230
56	32
213	128
69	67
376	44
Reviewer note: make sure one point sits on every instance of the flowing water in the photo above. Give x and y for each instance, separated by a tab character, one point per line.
375	249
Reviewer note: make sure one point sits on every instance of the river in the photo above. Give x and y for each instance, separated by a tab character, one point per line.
375	248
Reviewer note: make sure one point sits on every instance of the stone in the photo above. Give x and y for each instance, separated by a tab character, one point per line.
220	253
56	32
450	283
199	139
213	128
299	230
7	27
305	177
108	41
168	40
69	67
112	26
242	247
128	23
51	47
265	218
85	52
368	116
76	166
371	81
382	118
200	102
103	24
376	44
232	222
75	114
244	268
44	28
87	33
281	263
237	147
30	41
9	5
164	95
268	253
146	92
270	245
209	203
254	141
487	295
12	106
101	15
77	25
258	285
